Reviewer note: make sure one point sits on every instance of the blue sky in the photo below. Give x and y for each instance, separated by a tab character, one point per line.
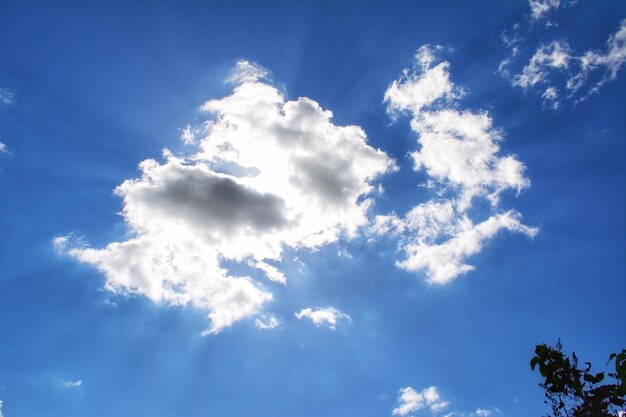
306	208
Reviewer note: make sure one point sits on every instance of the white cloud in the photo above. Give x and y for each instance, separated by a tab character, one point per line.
513	38
411	401
539	9
460	152
72	384
188	135
1	402
554	56
551	96
7	97
558	68
445	261
344	253
461	149
480	412
323	316
268	174
3	148
610	62
267	323
272	273
246	71
439	406
421	86
484	412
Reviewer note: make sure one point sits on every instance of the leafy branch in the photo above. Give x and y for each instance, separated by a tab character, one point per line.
574	392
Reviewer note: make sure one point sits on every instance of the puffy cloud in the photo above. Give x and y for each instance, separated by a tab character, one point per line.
192	192
323	316
421	86
563	73
3	148
1	402
411	401
445	261
266	173
461	149
460	152
246	71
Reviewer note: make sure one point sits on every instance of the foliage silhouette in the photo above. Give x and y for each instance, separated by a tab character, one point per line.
574	392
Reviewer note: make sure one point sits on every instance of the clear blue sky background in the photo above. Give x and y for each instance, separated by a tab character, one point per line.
97	88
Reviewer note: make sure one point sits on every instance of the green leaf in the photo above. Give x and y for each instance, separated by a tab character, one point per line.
576	392
534	361
617	401
541	350
594	379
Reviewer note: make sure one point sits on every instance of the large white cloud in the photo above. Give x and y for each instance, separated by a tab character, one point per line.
267	173
460	152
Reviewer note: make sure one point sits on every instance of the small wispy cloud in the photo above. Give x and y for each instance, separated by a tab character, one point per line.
328	316
486	412
7	97
540	9
72	384
266	323
555	70
554	56
271	272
